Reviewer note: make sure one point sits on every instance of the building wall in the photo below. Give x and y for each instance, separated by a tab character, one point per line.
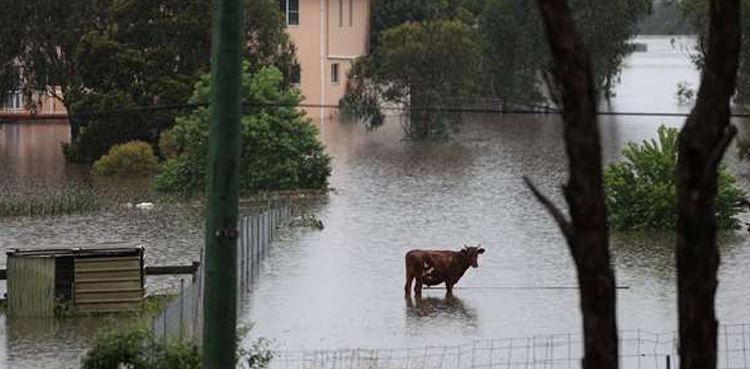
329	32
15	106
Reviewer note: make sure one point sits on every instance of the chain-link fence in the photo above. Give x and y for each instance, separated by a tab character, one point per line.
638	350
182	319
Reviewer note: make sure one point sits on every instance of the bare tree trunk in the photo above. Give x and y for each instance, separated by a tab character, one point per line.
586	232
702	143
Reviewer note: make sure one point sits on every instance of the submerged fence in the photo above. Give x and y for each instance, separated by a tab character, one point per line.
638	350
182	319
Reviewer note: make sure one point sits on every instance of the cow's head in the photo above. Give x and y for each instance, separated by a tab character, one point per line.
471	253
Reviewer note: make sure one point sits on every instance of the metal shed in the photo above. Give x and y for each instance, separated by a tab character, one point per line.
83	280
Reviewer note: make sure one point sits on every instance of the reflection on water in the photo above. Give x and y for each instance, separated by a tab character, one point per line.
343	286
49	342
31	155
421	311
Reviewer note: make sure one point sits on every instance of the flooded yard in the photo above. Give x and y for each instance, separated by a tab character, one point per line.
342	287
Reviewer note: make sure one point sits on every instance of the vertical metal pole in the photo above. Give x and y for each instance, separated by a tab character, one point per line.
220	302
182	309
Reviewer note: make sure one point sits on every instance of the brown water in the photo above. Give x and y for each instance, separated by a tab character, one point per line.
343	286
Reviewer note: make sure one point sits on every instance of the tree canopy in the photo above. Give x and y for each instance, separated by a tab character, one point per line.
280	148
641	190
111	56
496	51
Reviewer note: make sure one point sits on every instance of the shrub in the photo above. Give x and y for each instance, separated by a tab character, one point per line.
280	149
136	348
101	128
641	190
132	159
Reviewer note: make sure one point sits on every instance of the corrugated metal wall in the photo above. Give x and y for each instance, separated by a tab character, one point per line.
31	286
108	284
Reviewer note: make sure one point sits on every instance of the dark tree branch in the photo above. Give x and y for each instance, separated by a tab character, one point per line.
557	214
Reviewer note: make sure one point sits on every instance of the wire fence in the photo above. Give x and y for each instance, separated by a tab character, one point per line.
182	319
638	350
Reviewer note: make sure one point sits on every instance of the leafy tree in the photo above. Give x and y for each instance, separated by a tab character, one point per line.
641	190
11	18
144	54
665	19
49	35
387	14
118	54
697	14
267	42
514	41
279	151
426	66
518	66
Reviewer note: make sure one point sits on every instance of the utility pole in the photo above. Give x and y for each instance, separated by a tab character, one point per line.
220	288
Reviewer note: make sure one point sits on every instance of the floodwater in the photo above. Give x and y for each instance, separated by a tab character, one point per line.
342	287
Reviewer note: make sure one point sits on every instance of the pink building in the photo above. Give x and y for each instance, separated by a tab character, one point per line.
42	105
329	36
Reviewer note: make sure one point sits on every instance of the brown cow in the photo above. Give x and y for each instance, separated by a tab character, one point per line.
433	267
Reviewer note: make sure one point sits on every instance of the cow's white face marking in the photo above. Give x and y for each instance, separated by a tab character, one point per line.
428	269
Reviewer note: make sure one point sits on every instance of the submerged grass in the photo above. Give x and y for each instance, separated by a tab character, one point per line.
50	201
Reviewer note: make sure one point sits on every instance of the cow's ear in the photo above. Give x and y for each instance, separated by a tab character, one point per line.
480	251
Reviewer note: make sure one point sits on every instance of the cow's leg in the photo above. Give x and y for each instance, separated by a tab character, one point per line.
418	286
448	289
407	286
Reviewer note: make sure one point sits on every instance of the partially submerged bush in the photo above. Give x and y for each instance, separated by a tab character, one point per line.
641	190
50	201
132	159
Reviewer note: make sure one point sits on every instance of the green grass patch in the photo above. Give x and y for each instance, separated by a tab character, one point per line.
51	201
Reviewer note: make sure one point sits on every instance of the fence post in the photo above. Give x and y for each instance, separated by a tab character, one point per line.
182	308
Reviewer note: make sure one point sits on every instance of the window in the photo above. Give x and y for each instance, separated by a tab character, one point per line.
351	11
295	76
335	73
14	100
341	13
290	9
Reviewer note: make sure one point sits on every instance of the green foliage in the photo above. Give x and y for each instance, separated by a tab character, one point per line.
696	13
132	159
280	149
425	66
514	41
665	19
641	190
518	60
142	53
115	55
387	14
41	202
136	348
685	93
267	41
167	145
